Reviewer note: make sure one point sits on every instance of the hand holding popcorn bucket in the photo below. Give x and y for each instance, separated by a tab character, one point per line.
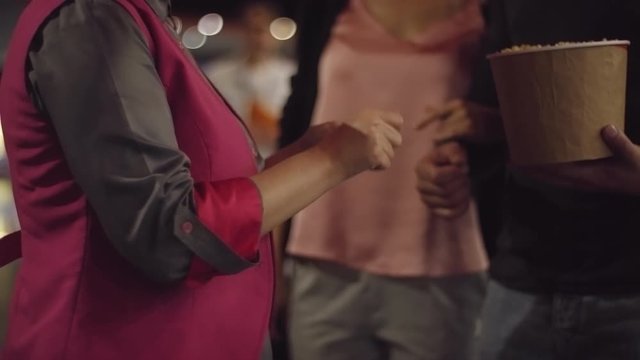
555	100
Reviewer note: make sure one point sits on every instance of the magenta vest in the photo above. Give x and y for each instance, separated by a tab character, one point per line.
76	298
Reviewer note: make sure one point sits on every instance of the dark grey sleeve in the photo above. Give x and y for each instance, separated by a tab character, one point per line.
92	74
4	167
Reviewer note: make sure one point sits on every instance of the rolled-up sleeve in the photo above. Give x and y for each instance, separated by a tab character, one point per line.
92	74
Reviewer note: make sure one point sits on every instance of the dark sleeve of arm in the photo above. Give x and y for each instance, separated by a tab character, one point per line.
296	114
316	19
487	161
496	38
97	82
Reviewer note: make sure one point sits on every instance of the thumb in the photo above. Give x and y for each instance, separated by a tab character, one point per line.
621	145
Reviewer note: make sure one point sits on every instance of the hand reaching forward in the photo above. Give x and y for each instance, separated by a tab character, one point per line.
460	120
366	142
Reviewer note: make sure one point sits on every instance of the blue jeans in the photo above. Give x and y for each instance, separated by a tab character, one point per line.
522	326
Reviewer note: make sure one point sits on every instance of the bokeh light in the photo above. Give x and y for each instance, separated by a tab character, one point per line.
193	39
210	24
283	28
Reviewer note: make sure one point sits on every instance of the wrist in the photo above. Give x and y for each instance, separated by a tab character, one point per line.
288	151
338	166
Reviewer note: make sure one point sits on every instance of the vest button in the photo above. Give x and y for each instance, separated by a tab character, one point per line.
187	227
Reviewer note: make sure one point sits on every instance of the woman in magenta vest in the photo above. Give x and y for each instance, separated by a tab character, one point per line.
145	218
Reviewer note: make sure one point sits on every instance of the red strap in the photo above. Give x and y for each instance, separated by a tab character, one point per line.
10	248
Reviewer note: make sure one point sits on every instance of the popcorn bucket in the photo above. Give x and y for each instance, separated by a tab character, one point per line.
555	100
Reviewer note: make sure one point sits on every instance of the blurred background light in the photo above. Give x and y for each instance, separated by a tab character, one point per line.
283	28
193	39
210	24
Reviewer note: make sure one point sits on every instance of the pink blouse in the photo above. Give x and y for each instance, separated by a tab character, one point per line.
376	222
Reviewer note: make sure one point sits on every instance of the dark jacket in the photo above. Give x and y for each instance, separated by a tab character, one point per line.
559	239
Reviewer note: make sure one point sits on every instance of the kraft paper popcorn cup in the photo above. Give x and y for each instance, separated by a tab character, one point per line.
555	100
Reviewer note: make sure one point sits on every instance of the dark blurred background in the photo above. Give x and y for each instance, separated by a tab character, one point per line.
224	7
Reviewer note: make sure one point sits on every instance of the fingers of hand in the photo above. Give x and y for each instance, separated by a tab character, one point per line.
394	120
382	153
444	174
429	119
364	120
442	113
372	118
442	186
450	153
443	190
392	134
458	125
451	213
386	136
430	170
621	145
449	200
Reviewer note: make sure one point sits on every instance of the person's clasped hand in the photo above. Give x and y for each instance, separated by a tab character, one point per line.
443	181
442	175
